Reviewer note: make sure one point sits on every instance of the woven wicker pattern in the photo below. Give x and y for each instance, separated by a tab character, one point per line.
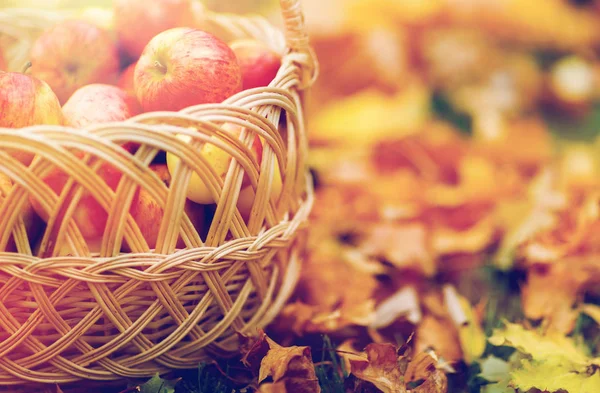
111	315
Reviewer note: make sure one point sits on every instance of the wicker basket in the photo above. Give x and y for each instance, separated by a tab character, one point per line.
111	315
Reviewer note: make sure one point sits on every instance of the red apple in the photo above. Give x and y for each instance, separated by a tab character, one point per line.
126	80
27	101
99	103
73	54
89	216
138	21
258	62
182	67
148	214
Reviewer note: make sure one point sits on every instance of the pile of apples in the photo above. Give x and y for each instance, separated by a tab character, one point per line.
154	59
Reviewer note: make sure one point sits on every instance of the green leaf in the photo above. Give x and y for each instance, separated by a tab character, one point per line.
549	362
158	385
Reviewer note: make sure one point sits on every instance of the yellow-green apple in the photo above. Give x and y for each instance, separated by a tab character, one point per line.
73	54
99	103
33	226
64	250
138	21
89	215
126	80
27	101
258	62
148	214
219	160
93	246
182	67
247	194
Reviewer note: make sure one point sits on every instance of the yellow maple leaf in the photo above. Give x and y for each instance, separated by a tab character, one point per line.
551	377
470	332
552	361
537	345
290	367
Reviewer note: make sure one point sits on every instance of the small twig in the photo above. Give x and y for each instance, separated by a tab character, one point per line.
324	363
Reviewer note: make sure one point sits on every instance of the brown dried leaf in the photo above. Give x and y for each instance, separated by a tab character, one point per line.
573	225
295	317
390	372
254	350
303	318
403	303
420	367
289	367
324	270
437	382
476	181
524	142
551	292
348	353
474	239
433	302
433	154
440	335
277	387
403	245
332	291
381	368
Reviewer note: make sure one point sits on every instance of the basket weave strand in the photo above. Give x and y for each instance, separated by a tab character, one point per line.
103	314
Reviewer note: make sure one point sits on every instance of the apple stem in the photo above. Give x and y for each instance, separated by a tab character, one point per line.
160	67
26	67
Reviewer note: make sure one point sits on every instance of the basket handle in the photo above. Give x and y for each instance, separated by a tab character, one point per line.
296	35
